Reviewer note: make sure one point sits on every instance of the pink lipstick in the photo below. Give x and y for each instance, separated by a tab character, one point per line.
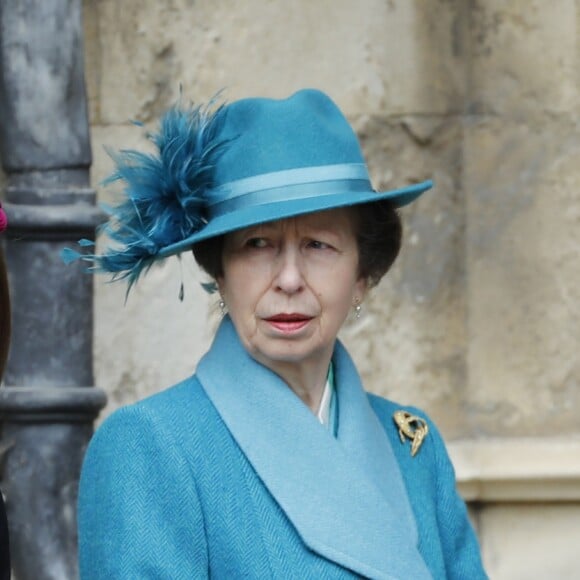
289	323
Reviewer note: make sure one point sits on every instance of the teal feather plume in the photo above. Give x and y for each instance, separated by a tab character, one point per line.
163	198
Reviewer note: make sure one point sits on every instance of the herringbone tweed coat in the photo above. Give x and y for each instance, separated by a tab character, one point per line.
228	475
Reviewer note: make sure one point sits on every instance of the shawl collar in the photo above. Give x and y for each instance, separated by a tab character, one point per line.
345	496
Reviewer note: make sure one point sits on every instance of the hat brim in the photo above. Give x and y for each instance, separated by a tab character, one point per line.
277	210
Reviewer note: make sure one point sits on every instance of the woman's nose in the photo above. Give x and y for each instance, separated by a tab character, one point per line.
289	276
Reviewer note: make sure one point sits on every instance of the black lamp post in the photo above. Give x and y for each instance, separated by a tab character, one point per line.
48	403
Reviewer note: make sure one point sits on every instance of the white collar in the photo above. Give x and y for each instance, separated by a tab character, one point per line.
323	414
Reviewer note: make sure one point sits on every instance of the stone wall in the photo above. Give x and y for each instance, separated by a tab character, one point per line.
479	321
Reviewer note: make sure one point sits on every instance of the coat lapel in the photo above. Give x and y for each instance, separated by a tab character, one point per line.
344	496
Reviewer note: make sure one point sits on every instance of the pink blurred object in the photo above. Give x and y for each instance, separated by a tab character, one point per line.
3	220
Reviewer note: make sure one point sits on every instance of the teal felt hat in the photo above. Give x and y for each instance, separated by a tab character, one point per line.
221	169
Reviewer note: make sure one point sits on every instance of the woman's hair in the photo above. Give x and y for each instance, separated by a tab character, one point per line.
4	315
378	232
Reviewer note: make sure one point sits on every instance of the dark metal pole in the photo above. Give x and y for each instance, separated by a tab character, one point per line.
49	402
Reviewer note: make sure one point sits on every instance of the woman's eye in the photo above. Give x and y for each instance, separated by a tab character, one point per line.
257	243
318	245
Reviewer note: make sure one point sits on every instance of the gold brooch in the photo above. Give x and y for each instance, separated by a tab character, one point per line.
413	427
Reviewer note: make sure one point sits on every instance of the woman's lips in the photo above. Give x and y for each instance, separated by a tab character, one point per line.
289	323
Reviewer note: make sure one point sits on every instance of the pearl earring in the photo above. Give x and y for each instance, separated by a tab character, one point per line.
222	306
357	309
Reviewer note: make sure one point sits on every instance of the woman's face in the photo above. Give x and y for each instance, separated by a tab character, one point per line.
290	284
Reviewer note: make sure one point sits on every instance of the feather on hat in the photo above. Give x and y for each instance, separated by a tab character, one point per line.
163	193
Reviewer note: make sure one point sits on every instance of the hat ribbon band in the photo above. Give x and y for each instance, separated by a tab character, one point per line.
288	185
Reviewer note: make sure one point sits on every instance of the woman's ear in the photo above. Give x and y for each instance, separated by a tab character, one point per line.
360	289
220	283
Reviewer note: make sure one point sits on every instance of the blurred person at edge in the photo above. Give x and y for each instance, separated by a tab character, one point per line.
271	461
4	345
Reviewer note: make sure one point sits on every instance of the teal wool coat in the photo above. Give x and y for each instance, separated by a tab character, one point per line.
229	475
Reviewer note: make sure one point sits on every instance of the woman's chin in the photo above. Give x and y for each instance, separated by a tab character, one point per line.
291	352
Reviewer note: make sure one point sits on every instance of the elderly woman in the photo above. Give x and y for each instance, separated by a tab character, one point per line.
271	461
